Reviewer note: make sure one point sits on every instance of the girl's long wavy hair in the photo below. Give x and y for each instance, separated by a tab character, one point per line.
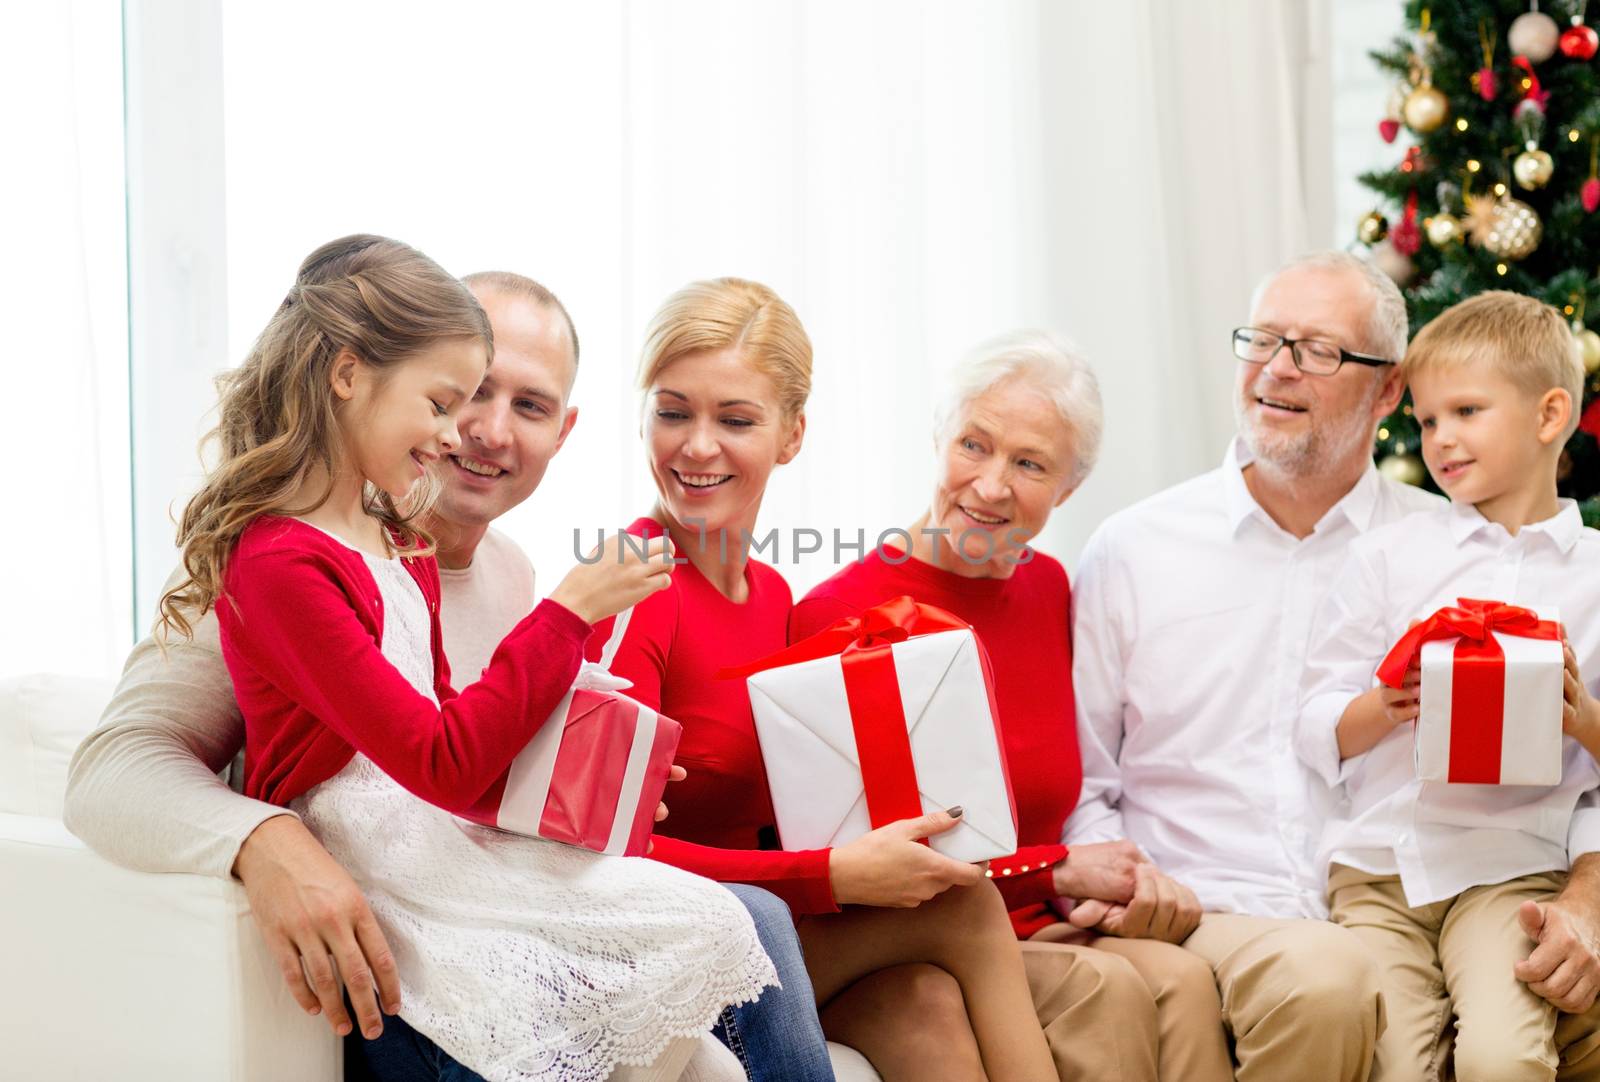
378	298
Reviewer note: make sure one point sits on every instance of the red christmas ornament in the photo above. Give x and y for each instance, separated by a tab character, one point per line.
1590	192
1487	82
1579	42
1484	80
1406	237
1590	422
1388	129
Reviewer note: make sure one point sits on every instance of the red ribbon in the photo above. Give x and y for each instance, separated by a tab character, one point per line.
1477	676
864	646
895	620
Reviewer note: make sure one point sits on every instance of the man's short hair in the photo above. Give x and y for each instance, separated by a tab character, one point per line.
1385	335
517	285
1523	339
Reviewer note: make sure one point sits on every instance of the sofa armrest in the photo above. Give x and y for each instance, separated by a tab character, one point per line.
111	973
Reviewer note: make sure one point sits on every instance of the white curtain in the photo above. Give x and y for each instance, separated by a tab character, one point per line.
65	563
912	176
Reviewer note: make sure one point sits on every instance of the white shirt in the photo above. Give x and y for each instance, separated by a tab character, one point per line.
1442	838
1192	611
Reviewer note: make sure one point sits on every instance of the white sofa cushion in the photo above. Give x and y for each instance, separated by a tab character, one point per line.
43	719
116	974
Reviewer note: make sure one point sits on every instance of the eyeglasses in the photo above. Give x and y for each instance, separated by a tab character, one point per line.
1311	355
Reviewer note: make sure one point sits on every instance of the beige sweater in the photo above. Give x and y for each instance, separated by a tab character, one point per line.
146	789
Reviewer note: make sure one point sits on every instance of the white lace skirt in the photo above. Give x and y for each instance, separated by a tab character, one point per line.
527	959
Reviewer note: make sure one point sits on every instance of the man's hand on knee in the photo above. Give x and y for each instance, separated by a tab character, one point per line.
1564	966
318	926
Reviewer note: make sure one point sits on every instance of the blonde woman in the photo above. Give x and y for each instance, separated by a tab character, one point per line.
725	373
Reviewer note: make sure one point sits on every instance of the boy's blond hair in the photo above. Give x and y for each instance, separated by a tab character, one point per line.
1524	339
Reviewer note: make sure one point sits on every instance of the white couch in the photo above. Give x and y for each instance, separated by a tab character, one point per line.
110	974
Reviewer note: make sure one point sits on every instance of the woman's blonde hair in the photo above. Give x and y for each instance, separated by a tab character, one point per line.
382	300
732	312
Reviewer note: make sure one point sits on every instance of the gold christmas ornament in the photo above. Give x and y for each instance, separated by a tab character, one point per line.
1479	218
1407	469
1443	230
1426	109
1517	230
1533	168
1372	228
1588	344
1392	262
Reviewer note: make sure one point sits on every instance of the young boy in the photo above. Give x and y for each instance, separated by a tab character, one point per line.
1431	875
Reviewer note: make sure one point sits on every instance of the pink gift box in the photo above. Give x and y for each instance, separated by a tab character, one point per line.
591	777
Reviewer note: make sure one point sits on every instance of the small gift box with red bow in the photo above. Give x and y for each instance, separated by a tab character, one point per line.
1491	695
882	717
593	774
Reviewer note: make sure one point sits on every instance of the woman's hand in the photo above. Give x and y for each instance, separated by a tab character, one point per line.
617	577
674	773
890	867
1103	870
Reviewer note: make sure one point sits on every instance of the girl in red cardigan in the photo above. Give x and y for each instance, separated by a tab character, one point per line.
726	370
521	958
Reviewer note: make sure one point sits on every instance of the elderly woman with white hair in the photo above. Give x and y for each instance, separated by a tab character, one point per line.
1016	435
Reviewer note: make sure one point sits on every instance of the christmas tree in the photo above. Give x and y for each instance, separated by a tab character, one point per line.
1496	116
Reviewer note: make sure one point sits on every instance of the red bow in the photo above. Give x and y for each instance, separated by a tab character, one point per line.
1474	621
895	620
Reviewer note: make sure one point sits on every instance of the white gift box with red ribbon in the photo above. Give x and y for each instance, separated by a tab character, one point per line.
887	723
1491	694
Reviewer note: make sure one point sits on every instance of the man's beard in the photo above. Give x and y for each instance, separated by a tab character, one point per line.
1322	444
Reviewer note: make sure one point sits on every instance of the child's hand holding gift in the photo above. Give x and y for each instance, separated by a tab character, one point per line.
1580	713
1372	715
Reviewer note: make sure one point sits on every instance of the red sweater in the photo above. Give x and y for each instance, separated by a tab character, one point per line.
302	622
1025	627
721	814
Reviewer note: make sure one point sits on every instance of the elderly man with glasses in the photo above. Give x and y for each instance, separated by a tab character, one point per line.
1191	616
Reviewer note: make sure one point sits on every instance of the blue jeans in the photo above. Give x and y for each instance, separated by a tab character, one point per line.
778	1037
400	1054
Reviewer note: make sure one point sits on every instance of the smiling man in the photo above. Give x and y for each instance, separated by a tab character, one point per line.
518	421
1191	617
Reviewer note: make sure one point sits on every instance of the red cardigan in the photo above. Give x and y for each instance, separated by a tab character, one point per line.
302	622
1025	627
721	814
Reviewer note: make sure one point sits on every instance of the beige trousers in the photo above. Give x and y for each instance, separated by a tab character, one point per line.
1128	1009
1299	997
1451	961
